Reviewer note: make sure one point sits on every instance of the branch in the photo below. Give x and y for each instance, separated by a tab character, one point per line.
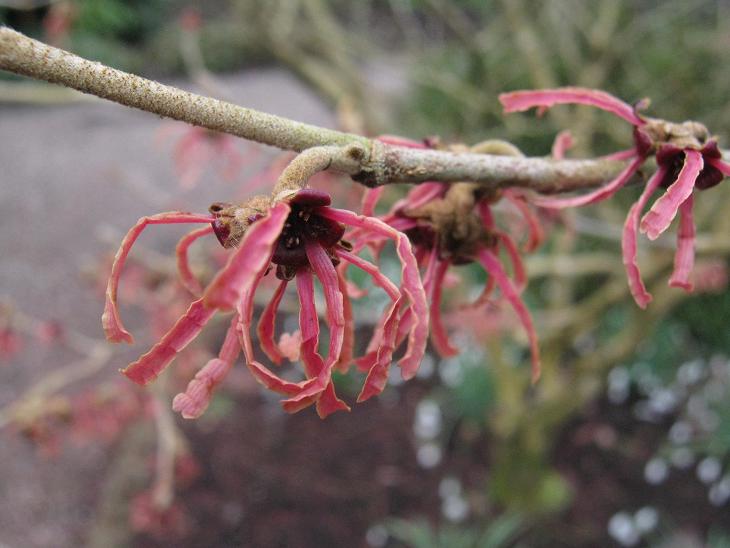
23	55
380	164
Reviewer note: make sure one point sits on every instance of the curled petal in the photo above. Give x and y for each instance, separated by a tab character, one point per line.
395	140
110	320
252	257
189	281
484	296
598	195
684	258
267	322
308	325
348	340
662	213
562	143
485	213
192	403
411	283
421	195
370	200
329	403
261	373
628	240
536	234
151	364
518	101
439	337
622	155
321	263
377	362
491	264
518	267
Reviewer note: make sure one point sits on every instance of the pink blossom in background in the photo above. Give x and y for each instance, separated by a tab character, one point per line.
197	150
688	159
10	343
161	522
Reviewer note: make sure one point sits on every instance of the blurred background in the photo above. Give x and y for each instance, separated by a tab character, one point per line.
624	441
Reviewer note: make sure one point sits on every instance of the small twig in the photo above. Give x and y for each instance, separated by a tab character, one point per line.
34	399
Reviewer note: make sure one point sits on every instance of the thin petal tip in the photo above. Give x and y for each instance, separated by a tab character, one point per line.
687	286
117	336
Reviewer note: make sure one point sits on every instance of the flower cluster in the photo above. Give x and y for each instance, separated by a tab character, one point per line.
299	239
687	157
452	225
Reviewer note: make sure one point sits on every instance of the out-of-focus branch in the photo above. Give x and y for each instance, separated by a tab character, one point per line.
39	94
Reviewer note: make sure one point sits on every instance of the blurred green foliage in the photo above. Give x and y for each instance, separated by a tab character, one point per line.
420	534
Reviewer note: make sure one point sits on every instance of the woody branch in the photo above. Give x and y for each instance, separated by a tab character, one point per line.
375	164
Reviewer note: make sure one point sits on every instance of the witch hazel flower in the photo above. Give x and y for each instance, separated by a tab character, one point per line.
298	239
688	159
451	225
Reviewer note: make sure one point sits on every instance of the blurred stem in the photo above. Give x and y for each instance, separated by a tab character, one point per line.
167	436
32	403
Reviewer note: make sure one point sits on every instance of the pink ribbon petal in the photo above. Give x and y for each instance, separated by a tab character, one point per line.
662	213
518	267
684	258
261	373
518	101
187	278
377	363
536	234
562	143
308	324
597	195
370	199
110	320
348	340
151	364
439	336
192	403
329	403
267	324
411	283
629	244
491	264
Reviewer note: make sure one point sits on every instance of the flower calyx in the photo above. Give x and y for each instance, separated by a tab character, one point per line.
452	224
302	225
655	135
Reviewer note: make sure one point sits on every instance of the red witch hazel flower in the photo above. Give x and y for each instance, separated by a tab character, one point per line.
687	156
197	149
299	239
454	225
